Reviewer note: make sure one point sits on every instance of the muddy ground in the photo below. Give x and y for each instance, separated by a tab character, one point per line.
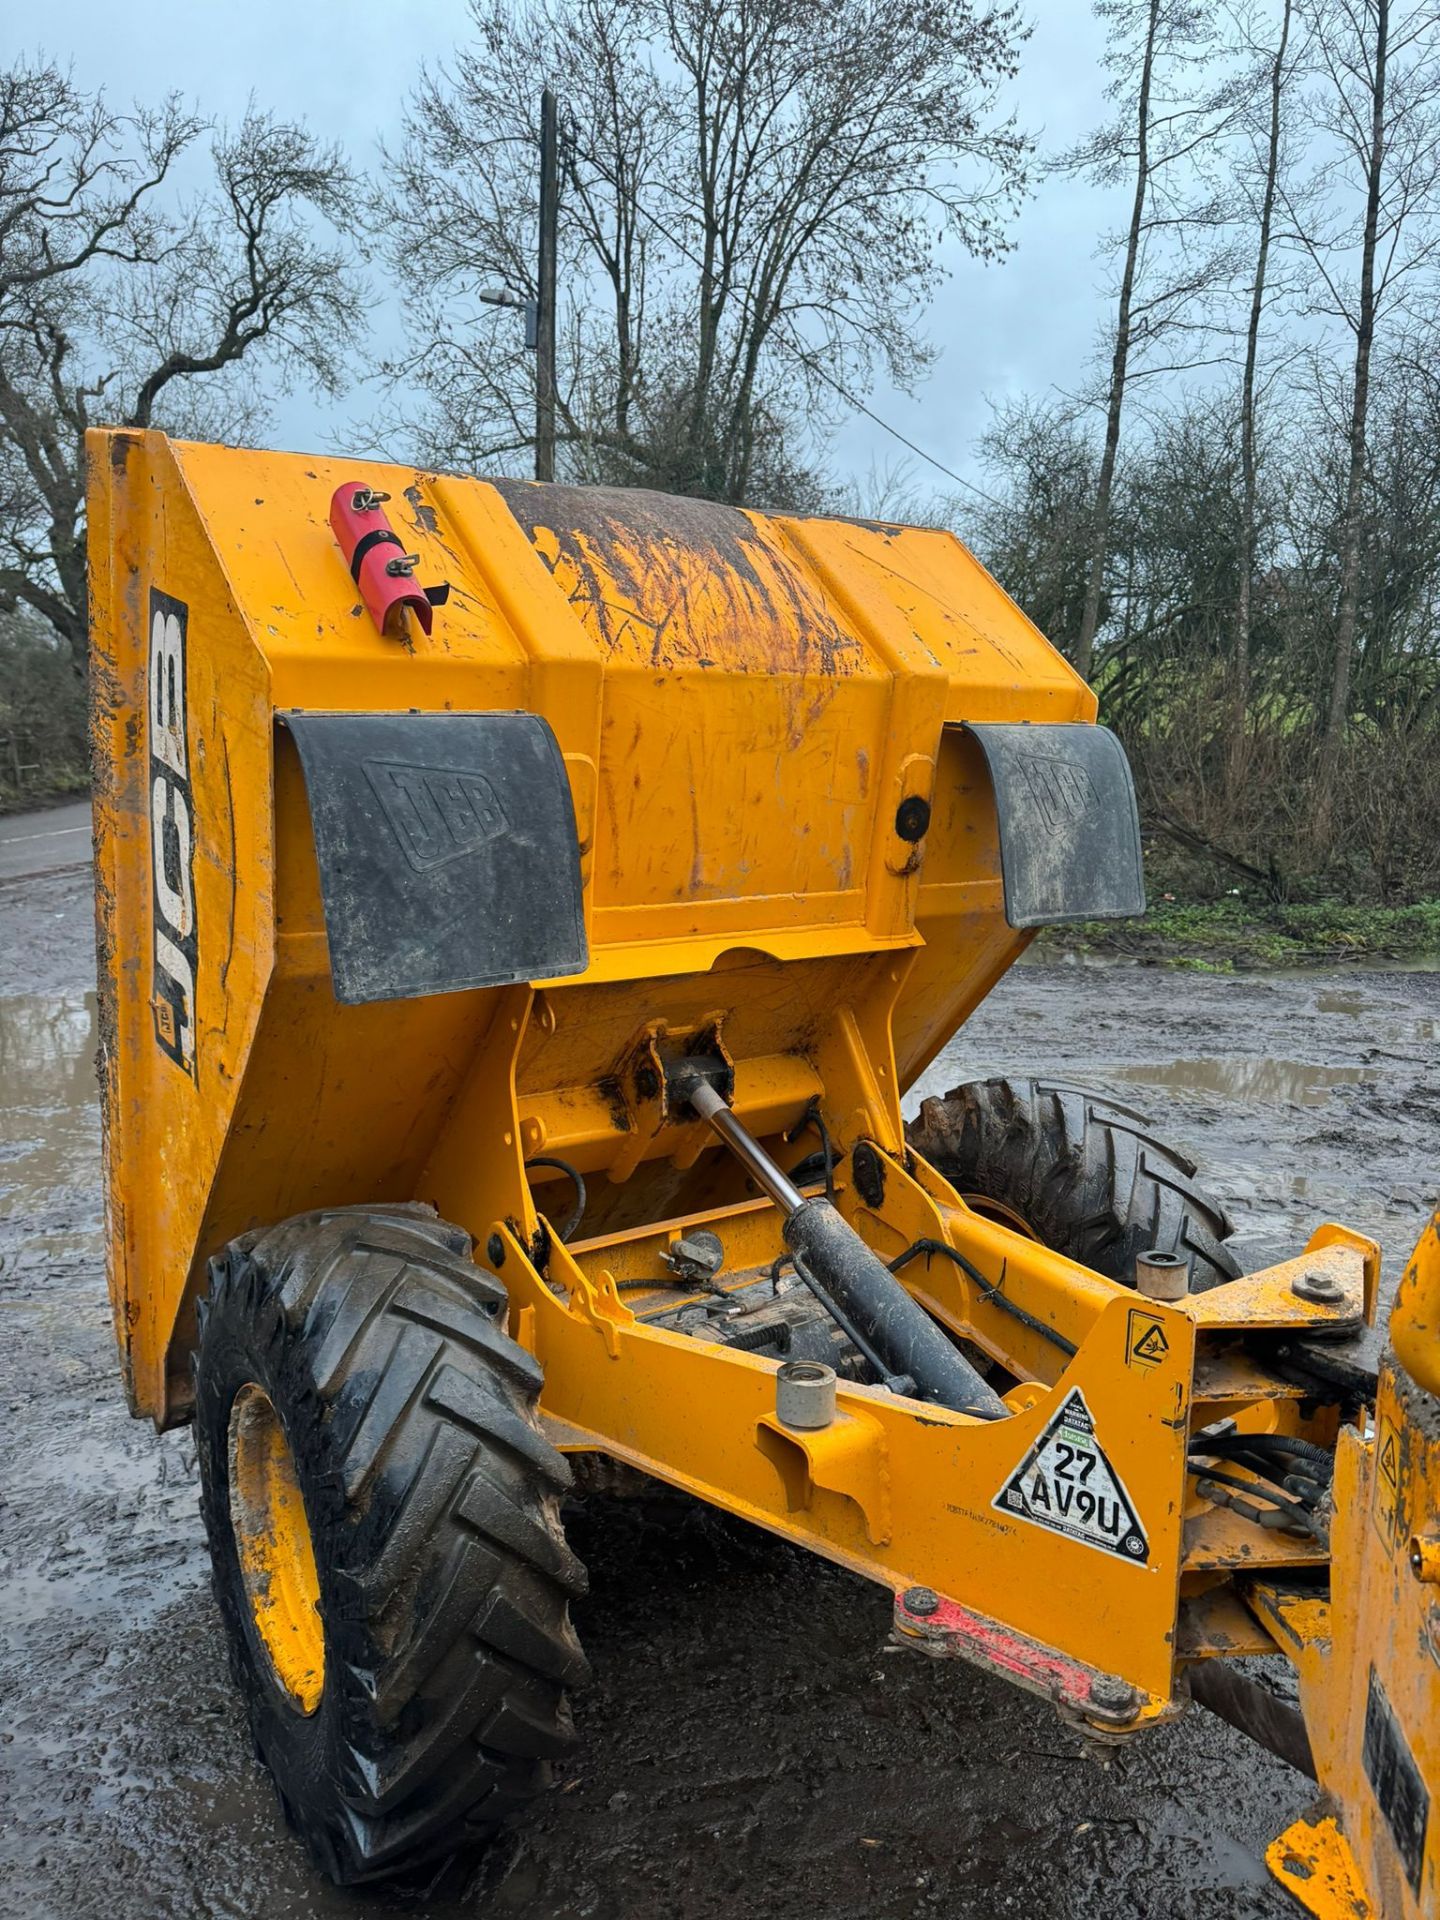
750	1745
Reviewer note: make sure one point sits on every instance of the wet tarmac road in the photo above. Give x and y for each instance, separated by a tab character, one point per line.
32	843
750	1746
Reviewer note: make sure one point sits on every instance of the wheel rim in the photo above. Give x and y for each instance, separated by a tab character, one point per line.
997	1211
277	1556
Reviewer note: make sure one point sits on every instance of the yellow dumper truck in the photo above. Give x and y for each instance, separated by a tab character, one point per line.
522	911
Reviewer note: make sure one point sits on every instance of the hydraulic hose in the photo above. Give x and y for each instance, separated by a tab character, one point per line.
576	1179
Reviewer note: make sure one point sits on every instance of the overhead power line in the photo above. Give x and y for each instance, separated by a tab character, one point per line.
830	379
895	433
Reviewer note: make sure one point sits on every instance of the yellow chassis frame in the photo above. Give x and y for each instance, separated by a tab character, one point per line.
900	1492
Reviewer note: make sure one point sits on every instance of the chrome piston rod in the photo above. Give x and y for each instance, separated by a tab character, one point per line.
771	1179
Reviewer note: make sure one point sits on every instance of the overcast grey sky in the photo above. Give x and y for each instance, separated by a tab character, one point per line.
1021	327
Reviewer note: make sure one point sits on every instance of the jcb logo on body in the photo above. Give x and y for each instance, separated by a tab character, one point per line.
172	835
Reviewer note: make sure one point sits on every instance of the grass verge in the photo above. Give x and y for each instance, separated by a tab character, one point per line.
1224	936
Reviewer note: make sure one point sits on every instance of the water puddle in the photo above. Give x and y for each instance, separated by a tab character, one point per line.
47	1050
1278	1082
1351	1003
1356	1006
48	1096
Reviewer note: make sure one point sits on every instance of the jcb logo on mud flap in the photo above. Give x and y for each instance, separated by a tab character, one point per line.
1062	793
172	835
437	814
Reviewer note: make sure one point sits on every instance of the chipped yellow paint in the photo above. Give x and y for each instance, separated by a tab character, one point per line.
741	700
1415	1323
275	1551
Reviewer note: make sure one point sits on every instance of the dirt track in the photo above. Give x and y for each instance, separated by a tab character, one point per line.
750	1745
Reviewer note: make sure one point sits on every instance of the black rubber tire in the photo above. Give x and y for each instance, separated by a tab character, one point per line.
1086	1174
433	1503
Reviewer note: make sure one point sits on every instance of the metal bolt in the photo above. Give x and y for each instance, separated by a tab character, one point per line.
1320	1288
921	1600
495	1250
367	500
1110	1694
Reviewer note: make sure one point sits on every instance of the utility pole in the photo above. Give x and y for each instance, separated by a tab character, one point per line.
545	289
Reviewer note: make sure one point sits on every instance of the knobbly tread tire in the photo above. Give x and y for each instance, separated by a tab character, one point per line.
433	1501
1085	1172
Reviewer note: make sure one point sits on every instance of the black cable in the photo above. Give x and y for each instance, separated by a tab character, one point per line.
1284	1443
828	1149
1304	1465
990	1290
806	1172
823	1298
663	1313
1261	1484
1307	1486
572	1173
800	1173
842	1320
1310	1492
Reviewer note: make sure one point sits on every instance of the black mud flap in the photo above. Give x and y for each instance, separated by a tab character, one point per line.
447	850
1069	826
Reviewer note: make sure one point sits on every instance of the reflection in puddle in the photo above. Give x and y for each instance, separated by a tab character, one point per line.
1351	1003
47	1050
1286	1082
48	1095
1356	1004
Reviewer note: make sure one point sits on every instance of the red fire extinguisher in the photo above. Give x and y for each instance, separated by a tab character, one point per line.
379	565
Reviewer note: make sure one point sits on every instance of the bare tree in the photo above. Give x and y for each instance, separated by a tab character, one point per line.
1161	142
120	304
1271	76
756	194
1037	536
1371	232
77	180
